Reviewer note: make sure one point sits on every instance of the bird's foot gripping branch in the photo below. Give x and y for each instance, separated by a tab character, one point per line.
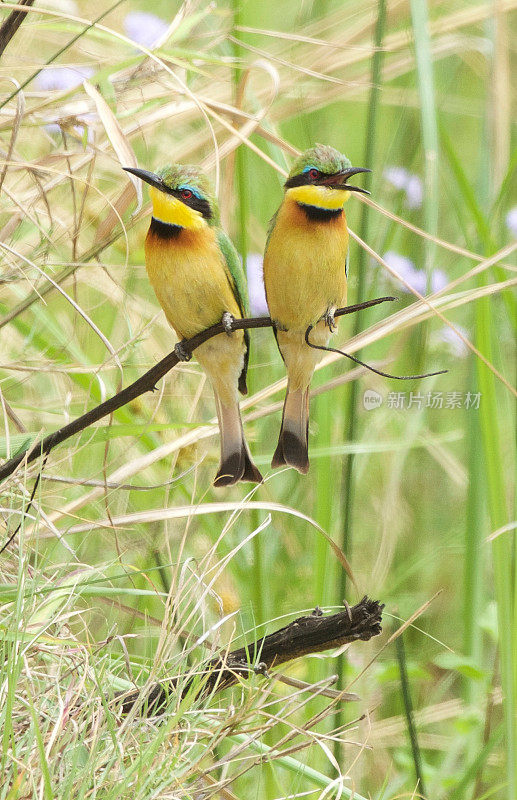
305	635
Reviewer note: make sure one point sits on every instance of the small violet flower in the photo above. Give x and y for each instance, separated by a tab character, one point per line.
407	270
439	280
62	78
256	291
456	345
406	181
144	28
416	278
511	221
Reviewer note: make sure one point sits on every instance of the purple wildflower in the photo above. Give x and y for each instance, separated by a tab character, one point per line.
439	280
511	221
397	176
416	278
256	291
413	192
62	78
456	345
406	181
144	28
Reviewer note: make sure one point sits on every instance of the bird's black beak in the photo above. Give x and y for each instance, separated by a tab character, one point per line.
148	177
339	179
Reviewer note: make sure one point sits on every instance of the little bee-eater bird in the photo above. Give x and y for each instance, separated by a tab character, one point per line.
305	277
198	279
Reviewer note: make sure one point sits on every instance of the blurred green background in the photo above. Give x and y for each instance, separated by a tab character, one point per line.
124	562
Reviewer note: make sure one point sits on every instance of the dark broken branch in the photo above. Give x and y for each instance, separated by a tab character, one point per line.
147	383
305	635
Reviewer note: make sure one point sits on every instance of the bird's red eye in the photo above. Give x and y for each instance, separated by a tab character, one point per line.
314	173
186	194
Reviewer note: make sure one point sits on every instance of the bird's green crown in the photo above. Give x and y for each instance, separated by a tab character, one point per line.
321	157
184	178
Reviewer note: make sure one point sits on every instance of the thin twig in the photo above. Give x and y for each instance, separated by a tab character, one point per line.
31	499
327	349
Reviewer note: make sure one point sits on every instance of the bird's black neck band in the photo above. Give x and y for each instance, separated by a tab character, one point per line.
319	214
164	229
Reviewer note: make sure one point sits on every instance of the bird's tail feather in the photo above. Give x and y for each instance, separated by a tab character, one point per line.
292	448
236	464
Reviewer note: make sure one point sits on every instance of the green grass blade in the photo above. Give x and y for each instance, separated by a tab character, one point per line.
425	75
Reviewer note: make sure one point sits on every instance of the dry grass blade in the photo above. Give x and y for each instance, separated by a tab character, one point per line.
20	109
119	141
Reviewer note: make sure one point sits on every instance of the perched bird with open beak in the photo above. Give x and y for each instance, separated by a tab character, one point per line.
305	277
198	279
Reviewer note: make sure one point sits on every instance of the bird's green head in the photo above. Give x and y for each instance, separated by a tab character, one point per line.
182	195
319	177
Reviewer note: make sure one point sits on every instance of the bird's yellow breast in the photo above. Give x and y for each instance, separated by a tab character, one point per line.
190	279
304	266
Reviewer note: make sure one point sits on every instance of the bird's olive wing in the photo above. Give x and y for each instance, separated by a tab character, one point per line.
240	289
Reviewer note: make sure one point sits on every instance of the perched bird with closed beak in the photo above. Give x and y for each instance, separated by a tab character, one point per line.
198	279
305	277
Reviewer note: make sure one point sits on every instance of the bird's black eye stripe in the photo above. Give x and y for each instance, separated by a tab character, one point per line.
197	203
303	179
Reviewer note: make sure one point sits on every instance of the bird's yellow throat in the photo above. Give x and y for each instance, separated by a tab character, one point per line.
320	196
169	209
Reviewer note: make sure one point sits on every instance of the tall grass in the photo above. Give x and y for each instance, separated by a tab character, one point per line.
129	567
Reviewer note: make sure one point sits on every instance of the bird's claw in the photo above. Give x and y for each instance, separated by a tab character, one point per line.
261	669
182	352
329	320
227	322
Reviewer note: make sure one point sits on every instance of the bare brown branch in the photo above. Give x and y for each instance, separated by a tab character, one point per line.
305	635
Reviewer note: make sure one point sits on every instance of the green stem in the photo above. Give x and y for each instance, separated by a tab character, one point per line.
424	65
474	535
371	129
242	241
408	711
429	126
243	215
493	429
299	769
348	480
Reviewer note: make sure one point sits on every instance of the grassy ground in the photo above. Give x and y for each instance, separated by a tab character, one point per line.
128	563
